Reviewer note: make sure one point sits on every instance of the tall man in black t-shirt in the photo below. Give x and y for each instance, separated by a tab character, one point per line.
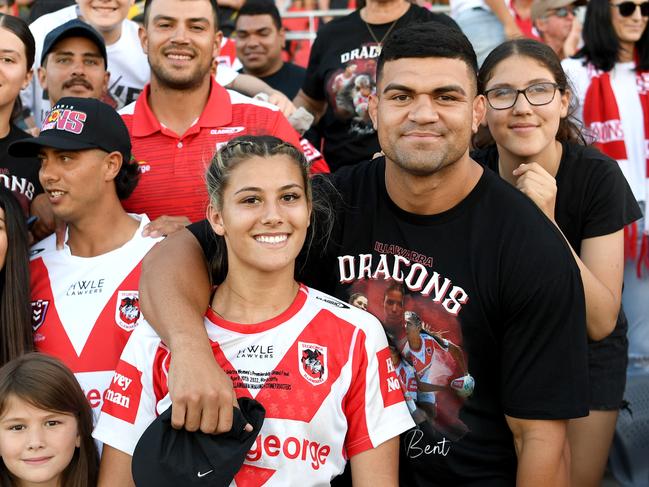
479	263
260	39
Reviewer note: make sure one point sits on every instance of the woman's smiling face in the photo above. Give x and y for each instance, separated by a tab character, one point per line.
264	214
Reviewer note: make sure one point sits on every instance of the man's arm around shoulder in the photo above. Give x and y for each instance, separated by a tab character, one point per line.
174	294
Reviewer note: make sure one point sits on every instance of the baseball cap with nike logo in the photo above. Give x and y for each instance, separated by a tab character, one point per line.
167	457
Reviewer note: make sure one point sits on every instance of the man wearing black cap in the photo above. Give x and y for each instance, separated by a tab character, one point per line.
84	297
74	62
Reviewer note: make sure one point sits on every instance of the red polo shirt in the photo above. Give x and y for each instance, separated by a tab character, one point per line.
173	167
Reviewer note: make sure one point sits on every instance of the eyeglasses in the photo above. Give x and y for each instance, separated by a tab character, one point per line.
627	9
537	94
562	12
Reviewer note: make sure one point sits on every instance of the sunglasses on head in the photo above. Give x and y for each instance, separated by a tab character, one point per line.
627	9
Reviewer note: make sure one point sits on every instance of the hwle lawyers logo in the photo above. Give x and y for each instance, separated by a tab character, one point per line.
257	351
86	286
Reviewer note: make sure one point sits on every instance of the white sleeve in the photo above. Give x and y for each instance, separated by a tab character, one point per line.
225	75
130	402
376	410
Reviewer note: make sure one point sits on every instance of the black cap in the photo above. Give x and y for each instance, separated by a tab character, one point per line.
167	457
77	124
74	28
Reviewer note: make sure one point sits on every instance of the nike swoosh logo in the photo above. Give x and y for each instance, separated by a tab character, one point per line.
201	475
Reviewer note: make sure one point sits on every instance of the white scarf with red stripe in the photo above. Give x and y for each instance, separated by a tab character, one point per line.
602	122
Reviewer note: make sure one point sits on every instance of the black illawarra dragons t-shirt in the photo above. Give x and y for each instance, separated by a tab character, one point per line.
484	307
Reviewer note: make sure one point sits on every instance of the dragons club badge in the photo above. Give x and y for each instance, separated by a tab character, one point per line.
39	310
313	362
127	312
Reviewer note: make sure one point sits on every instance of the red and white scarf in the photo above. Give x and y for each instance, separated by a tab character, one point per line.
602	122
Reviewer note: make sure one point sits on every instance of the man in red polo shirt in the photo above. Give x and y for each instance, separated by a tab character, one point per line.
183	116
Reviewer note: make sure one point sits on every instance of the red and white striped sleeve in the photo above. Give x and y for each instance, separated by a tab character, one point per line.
375	407
130	401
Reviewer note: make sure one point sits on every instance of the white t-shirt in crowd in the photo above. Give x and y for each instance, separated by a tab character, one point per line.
623	83
127	64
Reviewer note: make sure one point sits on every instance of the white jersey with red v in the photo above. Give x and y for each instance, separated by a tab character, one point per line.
84	309
433	362
322	370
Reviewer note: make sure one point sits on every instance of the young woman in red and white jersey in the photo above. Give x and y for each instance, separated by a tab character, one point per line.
320	367
538	149
45	426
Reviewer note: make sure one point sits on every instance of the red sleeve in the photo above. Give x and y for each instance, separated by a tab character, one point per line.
358	437
374	405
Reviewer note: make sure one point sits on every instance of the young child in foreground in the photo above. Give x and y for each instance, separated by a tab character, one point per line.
45	426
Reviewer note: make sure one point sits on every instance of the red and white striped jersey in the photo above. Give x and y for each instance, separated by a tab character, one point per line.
84	309
433	362
322	369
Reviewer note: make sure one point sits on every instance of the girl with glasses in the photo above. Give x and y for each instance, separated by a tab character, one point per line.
610	75
537	148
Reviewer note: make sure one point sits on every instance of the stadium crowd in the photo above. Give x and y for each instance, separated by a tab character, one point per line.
412	252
